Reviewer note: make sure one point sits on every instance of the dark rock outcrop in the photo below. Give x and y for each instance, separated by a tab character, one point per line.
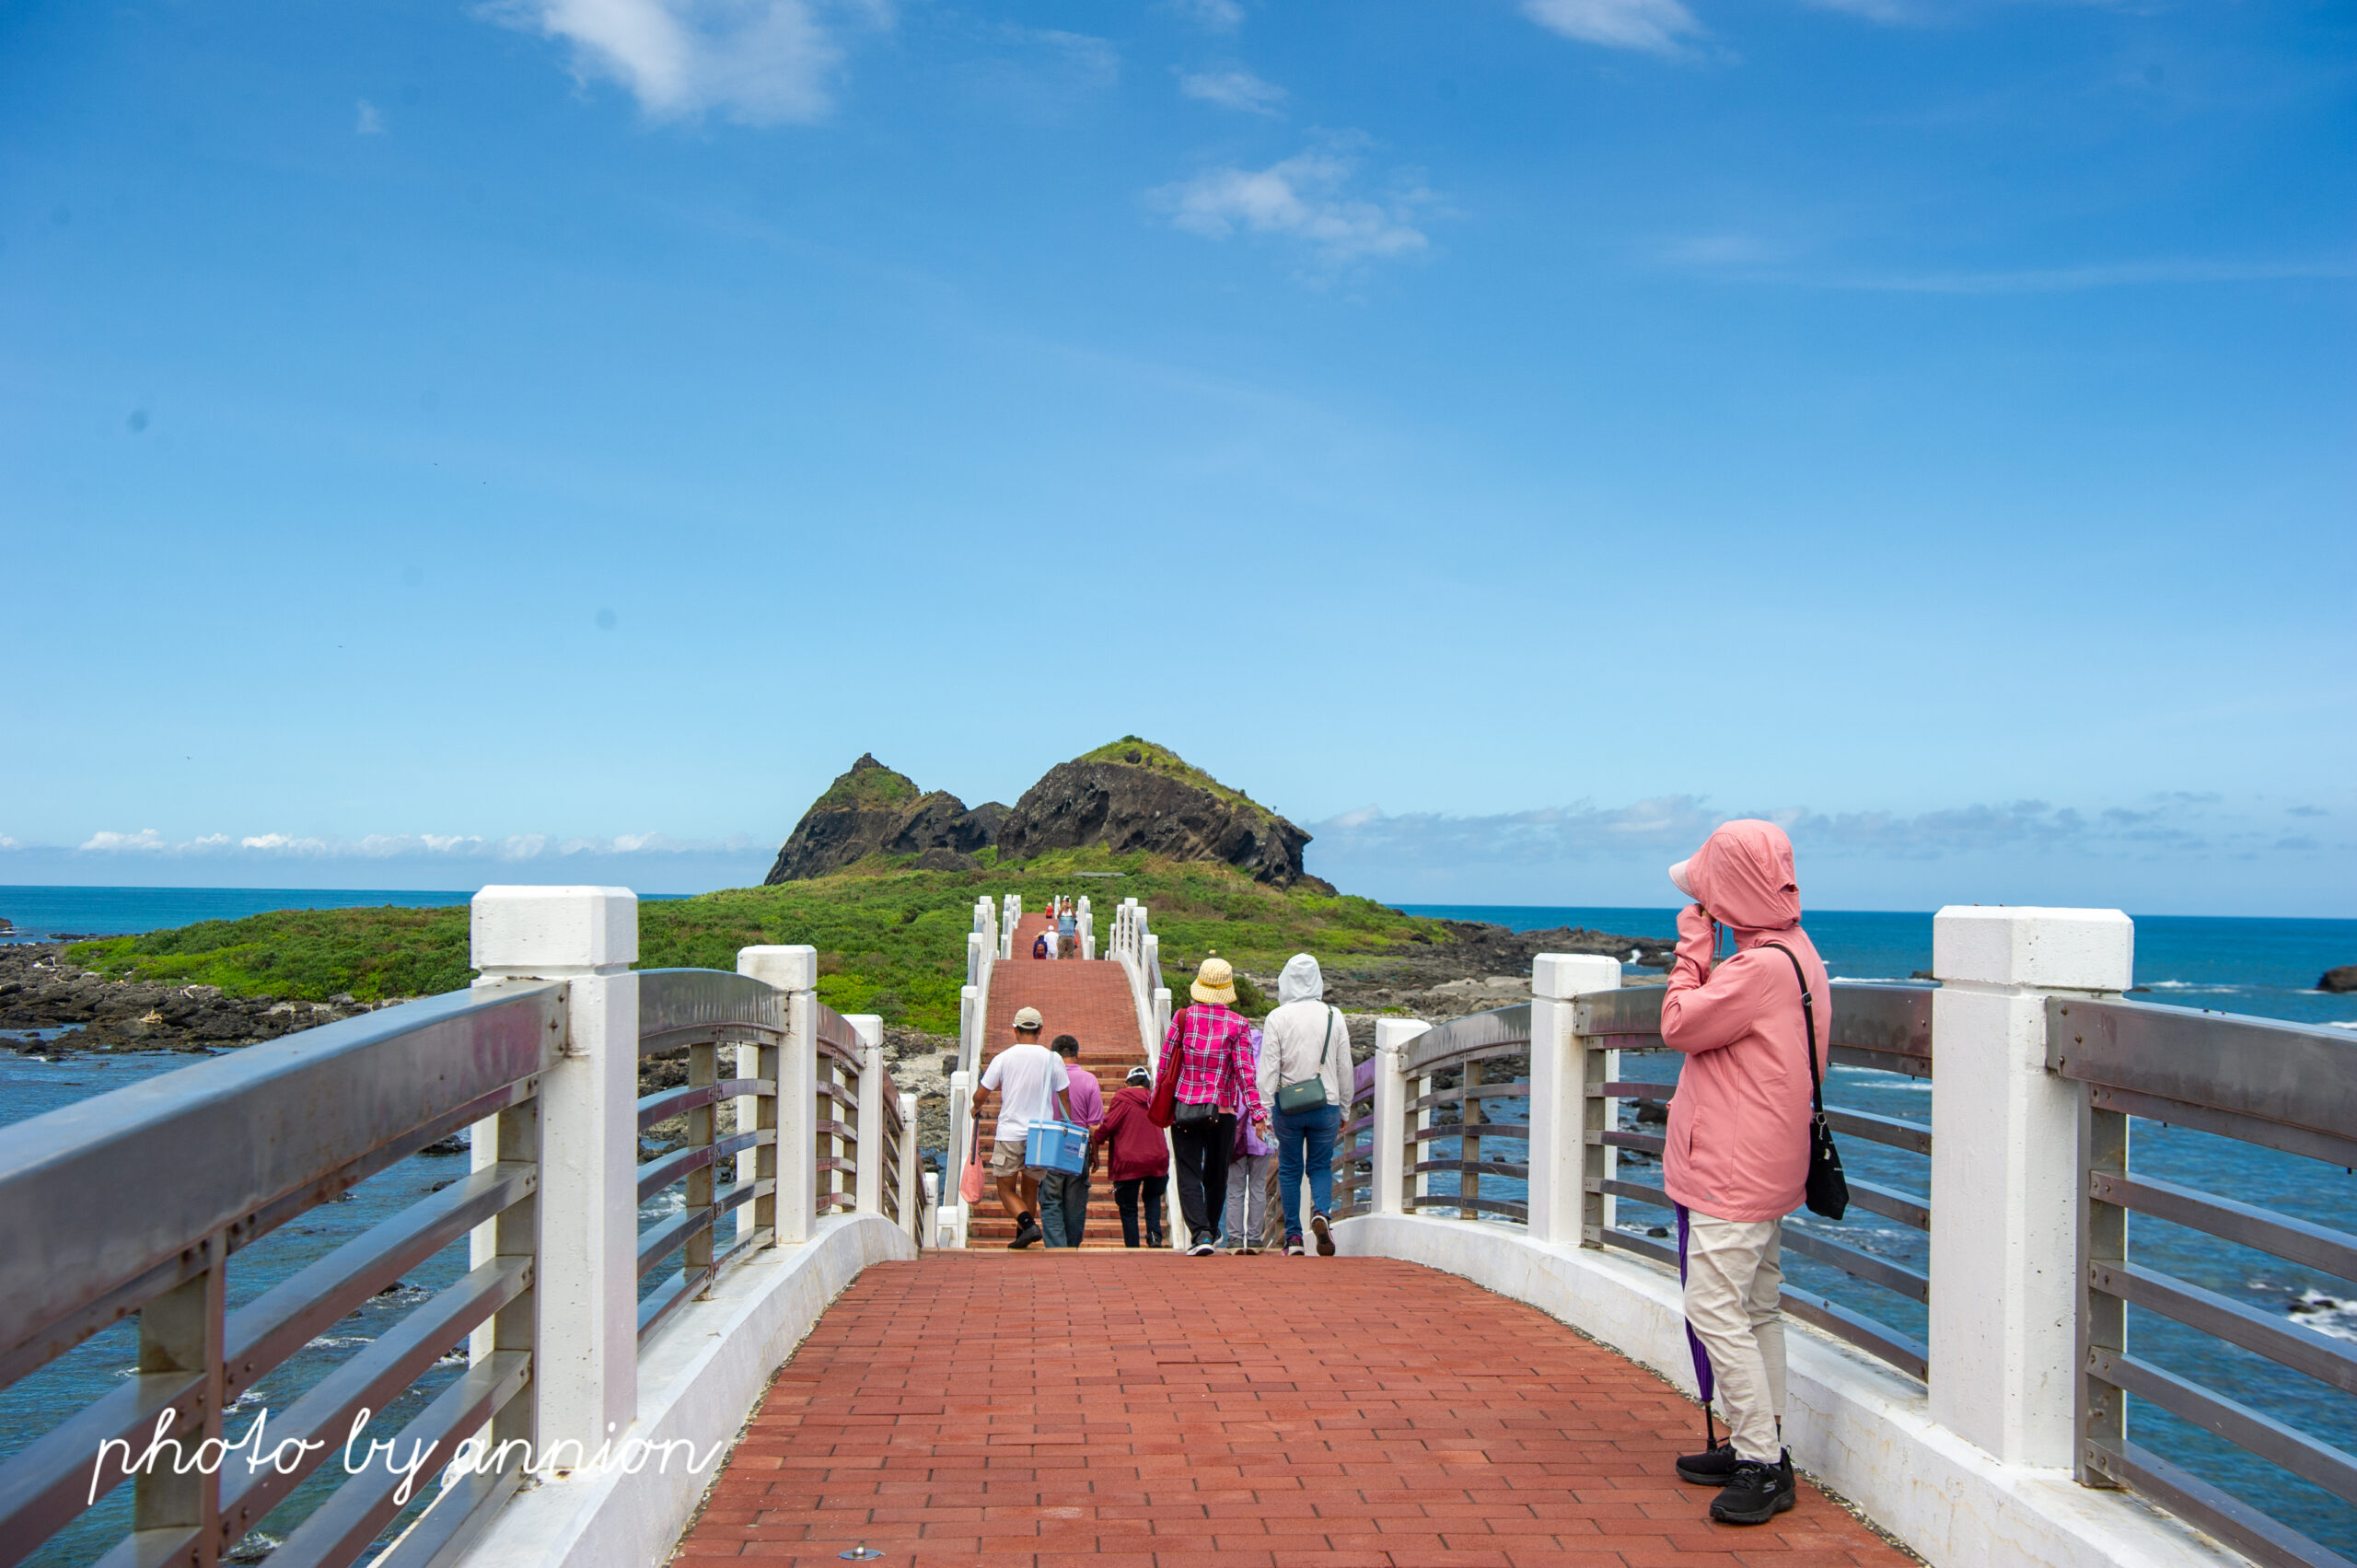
1135	797
2340	981
872	810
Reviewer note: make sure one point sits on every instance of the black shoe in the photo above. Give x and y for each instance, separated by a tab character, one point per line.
1714	1467
1324	1230
1755	1494
1027	1231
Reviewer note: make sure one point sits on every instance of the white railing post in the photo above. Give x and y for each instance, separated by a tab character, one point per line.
867	1182
911	1175
794	1162
1161	1019
1388	1127
976	945
584	1372
2005	1173
951	1225
1562	1114
1085	923
930	1236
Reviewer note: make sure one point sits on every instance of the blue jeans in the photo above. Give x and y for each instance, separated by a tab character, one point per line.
1306	1135
1064	1206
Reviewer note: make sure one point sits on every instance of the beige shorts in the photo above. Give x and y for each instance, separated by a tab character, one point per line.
1006	1156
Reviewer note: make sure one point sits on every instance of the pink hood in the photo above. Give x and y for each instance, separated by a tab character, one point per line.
1743	876
1738	1142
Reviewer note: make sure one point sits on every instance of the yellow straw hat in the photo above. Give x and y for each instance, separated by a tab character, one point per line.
1215	982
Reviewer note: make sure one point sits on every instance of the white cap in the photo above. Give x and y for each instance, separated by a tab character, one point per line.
1677	875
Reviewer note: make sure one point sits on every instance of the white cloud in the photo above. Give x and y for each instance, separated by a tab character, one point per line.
393	846
1653	25
7	842
1211	15
368	122
760	61
1233	89
1302	199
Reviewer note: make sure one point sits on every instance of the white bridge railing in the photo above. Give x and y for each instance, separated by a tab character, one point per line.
1962	1442
137	1205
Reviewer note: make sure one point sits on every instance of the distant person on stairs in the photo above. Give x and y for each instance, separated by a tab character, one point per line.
1136	1156
1737	1154
1208	1052
1068	932
1063	1195
1030	1081
1305	1042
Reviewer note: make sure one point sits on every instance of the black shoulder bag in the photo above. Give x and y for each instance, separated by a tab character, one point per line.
1829	1190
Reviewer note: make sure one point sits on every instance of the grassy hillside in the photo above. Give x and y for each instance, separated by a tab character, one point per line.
890	941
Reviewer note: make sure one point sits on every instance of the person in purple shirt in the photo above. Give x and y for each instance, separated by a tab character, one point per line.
1064	1198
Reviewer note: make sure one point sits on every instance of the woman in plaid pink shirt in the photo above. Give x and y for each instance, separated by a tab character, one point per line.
1212	1055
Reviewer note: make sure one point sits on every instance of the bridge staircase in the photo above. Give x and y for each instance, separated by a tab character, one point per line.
1088	998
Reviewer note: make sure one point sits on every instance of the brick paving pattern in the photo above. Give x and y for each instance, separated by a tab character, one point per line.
1150	1411
1088	1000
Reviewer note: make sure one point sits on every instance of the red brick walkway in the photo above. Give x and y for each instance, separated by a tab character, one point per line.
1151	1411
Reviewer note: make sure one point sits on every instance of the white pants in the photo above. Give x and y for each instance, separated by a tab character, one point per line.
1733	1281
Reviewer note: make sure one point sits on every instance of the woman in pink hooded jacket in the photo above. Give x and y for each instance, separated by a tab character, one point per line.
1736	1160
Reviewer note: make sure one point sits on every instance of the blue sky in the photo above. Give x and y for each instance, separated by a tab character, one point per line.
548	439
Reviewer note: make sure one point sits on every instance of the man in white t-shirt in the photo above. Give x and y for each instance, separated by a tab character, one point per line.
1030	1081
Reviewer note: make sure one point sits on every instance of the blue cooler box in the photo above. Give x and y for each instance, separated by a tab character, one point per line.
1057	1146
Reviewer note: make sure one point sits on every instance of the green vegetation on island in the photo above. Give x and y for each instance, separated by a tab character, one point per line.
891	941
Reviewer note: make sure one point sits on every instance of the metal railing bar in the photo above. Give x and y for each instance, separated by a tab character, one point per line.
1891	1203
1890	1130
1875	1061
54	1341
2298	1348
1643	1142
1517	1090
1513	1131
2293	1074
1637	1190
1474	1035
667	1041
43	1488
841	1093
1504	1049
2295	1240
1892	1277
283	1320
667	1297
1878	1339
1632	1089
667	1103
2325	1146
370	1379
2262	1539
436	1537
48	1343
1520	1172
303	1105
1643	1246
2248	1429
342	1528
830	1051
659	1242
839	1129
657	1174
847	1164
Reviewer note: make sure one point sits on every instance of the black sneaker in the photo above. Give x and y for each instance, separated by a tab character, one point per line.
1321	1227
1755	1494
1714	1467
1027	1231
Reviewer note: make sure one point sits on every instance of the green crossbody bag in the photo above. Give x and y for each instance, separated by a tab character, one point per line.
1308	1093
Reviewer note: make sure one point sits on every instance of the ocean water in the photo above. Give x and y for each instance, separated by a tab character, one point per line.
43	914
2266	967
2262	966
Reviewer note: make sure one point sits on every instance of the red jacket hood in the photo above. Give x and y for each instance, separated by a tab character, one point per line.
1743	875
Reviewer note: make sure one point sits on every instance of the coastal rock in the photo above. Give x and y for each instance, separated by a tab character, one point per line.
873	810
2339	980
1135	796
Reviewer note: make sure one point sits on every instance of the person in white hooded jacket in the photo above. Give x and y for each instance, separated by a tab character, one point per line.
1303	1039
